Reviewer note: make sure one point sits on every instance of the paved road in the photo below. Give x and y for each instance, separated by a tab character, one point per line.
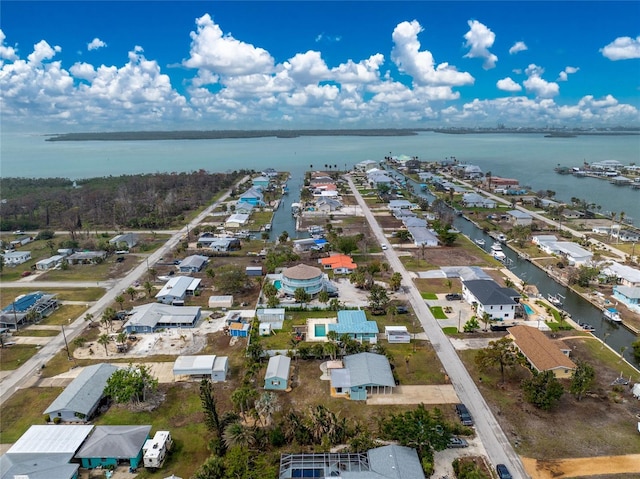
498	448
14	381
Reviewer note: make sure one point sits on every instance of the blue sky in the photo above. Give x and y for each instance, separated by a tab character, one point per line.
124	65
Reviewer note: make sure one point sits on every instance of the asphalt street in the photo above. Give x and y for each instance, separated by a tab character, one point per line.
14	381
498	448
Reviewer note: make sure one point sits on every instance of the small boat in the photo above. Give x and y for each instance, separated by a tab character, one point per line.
554	300
612	314
480	242
502	238
497	253
587	327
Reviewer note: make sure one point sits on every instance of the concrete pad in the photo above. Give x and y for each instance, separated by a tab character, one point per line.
437	394
471	343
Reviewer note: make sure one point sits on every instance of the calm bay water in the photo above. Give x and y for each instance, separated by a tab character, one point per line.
527	157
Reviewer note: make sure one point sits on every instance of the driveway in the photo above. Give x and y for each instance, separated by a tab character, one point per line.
436	394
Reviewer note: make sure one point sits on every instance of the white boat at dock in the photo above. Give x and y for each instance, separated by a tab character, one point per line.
480	242
612	314
555	300
497	253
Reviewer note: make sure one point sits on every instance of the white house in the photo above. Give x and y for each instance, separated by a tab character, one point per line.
474	200
520	218
177	289
127	239
49	263
574	253
491	298
202	366
395	205
193	263
626	275
14	258
236	220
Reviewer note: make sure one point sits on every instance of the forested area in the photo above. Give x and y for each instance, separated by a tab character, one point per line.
149	201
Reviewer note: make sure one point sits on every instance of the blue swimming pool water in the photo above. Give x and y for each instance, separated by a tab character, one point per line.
277	283
320	330
528	309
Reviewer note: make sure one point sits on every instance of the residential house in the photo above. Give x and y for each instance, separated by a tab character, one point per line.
50	263
574	253
377	177
385	462
625	235
542	353
397	334
252	196
270	315
148	318
193	264
223	245
363	374
395	205
124	241
254	271
261	182
475	200
109	446
14	258
269	172
422	236
177	289
354	323
489	297
339	263
365	165
328	205
86	257
520	218
80	399
225	301
625	275
23	240
628	295
45	451
236	220
305	277
202	367
244	208
277	374
31	306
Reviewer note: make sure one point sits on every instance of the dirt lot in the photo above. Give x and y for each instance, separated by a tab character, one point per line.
602	467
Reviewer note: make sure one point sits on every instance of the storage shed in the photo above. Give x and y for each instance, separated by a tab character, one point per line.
397	334
239	330
221	301
277	375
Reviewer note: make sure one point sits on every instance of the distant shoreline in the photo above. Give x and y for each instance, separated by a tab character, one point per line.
240	134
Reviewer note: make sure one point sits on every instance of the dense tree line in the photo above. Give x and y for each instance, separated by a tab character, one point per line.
150	201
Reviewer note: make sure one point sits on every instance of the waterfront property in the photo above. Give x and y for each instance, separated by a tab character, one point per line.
253	196
109	446
277	374
80	399
236	220
475	200
148	318
362	374
489	297
628	295
625	275
200	367
542	353
574	253
520	218
386	462
308	278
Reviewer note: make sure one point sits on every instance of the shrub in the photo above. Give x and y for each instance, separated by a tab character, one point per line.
57	420
47	418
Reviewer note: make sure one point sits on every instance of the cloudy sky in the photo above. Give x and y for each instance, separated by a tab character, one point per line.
124	65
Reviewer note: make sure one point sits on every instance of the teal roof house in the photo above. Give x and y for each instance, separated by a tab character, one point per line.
81	398
355	324
277	375
363	374
113	445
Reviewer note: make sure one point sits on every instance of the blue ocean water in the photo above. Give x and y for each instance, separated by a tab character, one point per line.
530	158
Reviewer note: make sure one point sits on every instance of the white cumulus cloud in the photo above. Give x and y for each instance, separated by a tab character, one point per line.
479	39
622	48
564	74
212	50
6	53
507	84
517	48
537	85
409	59
95	44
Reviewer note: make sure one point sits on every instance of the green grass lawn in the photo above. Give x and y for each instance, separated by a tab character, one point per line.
37	333
65	312
16	418
423	366
437	312
416	264
12	357
429	296
80	272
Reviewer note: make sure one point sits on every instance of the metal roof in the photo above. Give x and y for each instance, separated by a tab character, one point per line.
278	367
37	466
58	439
178	286
353	322
85	391
119	442
369	369
395	462
191	365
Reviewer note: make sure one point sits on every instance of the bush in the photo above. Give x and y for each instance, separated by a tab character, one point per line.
57	420
47	418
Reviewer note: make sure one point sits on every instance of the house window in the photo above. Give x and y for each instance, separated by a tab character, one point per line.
275	383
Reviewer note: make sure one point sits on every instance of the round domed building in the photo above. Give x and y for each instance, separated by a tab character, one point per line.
309	278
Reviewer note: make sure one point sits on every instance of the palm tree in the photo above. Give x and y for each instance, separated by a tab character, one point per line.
131	291
486	319
120	300
235	434
89	317
148	287
104	339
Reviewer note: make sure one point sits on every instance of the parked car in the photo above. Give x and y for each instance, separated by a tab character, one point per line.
402	310
453	297
455	442
503	472
464	414
384	246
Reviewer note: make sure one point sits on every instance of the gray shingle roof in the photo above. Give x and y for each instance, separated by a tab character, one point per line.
488	292
82	394
120	442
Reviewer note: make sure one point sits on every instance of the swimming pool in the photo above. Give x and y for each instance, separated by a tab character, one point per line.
277	283
320	330
528	309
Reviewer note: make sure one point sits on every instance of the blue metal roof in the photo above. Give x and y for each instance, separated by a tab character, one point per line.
353	322
24	303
